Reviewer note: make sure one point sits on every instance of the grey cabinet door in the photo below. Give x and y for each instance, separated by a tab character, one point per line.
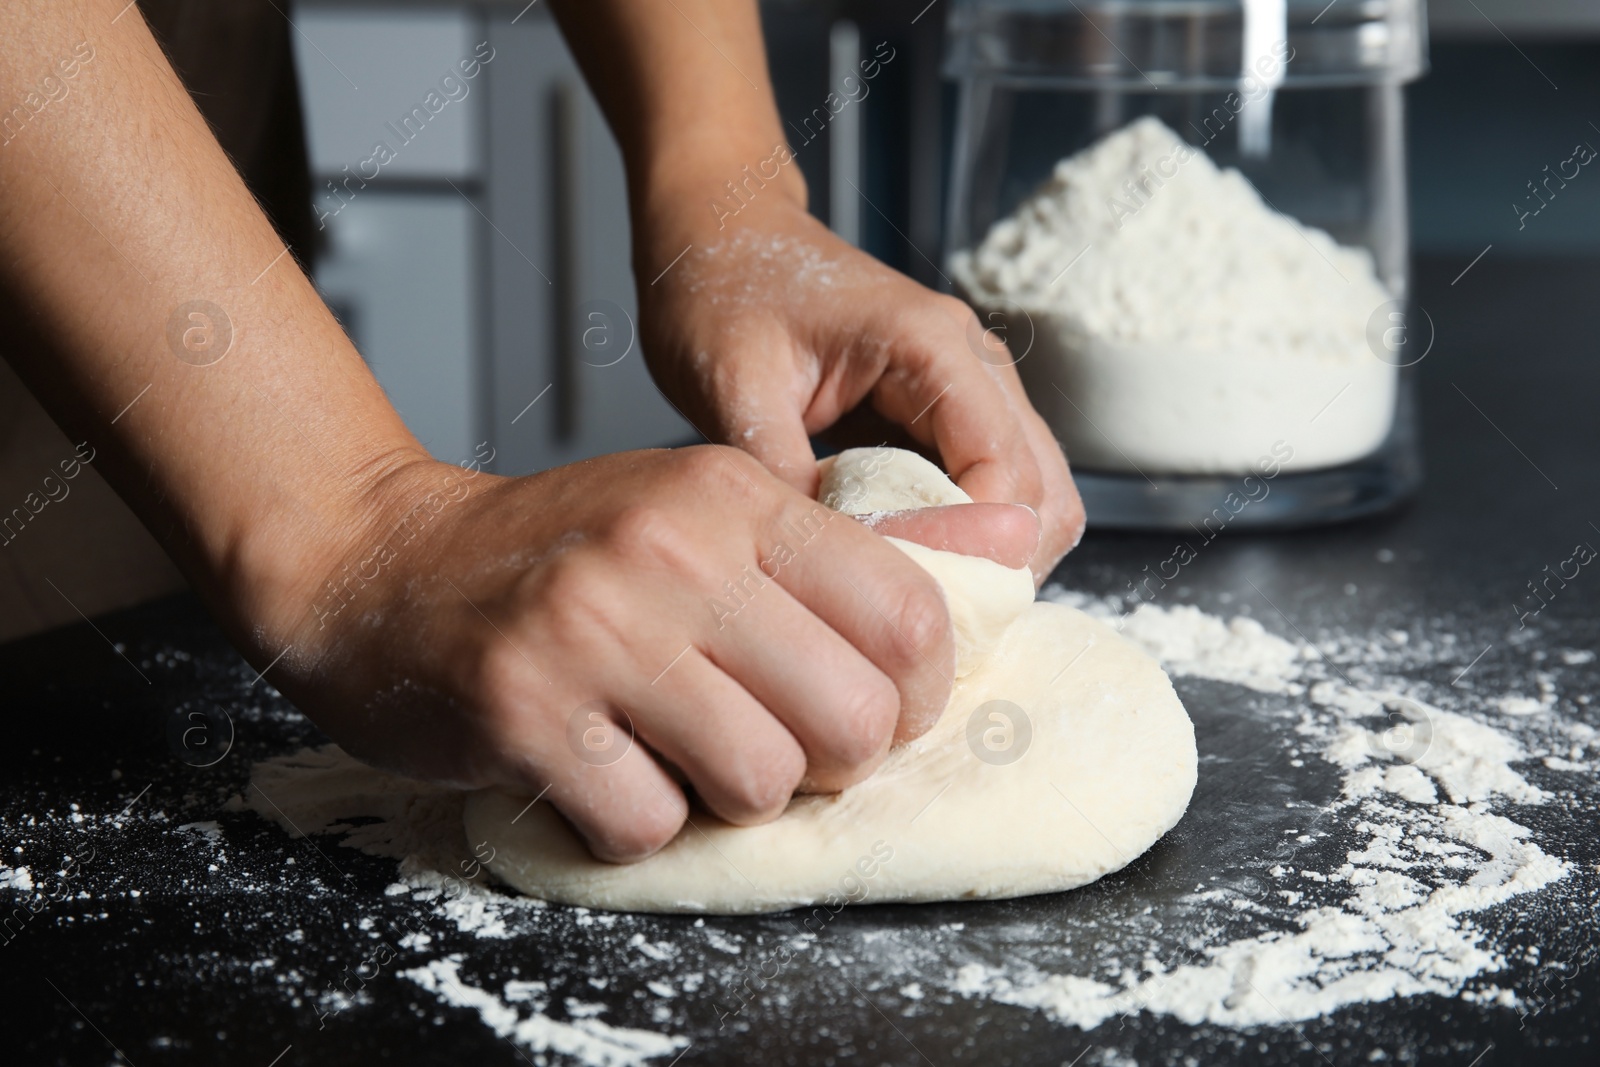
484	269
394	127
566	376
398	271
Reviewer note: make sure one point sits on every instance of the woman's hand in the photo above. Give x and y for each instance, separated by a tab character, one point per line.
601	633
771	329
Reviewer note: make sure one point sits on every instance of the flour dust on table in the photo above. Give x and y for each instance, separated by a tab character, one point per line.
1418	798
1399	847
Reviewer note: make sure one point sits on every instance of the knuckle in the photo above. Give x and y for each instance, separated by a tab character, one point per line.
699	463
922	622
865	726
1027	477
1062	508
717	467
958	310
654	531
736	383
572	588
501	679
1072	516
643	832
761	792
951	320
577	606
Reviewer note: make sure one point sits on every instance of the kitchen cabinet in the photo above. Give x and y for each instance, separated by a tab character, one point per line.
477	241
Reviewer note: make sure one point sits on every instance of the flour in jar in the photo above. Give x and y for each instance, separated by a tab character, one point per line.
1167	319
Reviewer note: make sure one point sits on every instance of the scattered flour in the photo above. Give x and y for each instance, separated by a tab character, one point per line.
1400	927
324	791
1427	801
19	878
1520	705
585	1038
1200	325
1188	641
209	829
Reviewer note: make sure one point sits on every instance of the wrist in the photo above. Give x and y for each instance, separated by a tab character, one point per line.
296	569
693	196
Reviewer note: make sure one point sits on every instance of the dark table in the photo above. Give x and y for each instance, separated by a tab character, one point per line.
203	965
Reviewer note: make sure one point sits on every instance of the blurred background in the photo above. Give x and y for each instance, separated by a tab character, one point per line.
485	275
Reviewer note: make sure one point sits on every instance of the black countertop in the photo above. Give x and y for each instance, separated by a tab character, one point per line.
169	945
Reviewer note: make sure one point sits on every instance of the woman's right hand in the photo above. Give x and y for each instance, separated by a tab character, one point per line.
594	632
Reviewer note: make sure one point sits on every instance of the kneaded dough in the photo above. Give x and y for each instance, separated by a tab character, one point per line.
983	596
1063	754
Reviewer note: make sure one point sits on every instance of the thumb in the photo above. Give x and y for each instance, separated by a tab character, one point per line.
1008	534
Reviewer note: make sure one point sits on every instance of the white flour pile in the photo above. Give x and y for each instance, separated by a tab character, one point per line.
1428	811
1178	322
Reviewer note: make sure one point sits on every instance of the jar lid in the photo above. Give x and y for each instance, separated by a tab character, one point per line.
1161	45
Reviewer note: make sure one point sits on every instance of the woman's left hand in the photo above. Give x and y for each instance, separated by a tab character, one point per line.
770	328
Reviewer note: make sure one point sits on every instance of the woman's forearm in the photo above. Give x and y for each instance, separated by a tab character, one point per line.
129	251
685	87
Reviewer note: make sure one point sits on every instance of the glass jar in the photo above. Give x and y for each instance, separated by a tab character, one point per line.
1186	220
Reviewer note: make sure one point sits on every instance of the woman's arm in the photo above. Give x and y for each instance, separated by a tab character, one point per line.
684	84
119	217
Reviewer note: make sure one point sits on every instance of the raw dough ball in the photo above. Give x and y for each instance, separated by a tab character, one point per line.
862	481
983	597
1060	757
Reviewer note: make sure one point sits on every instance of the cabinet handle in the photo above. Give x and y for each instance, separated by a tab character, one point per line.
566	160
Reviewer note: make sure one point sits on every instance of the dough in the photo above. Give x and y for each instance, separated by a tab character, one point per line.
983	596
1062	755
863	481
